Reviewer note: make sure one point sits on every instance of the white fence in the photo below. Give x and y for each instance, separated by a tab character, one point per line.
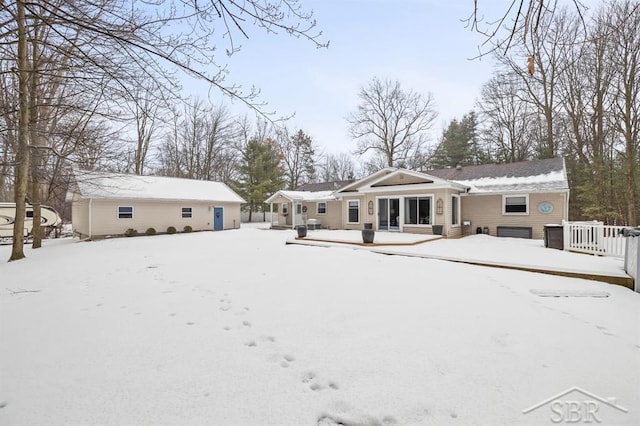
255	217
594	238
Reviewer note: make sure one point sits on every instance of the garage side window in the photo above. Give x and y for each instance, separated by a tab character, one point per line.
515	204
125	212
187	212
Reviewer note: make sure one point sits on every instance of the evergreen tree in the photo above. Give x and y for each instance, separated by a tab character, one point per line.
261	173
459	145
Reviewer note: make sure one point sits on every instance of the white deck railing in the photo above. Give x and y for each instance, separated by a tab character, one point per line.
594	238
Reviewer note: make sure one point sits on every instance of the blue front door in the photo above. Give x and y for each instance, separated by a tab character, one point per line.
218	218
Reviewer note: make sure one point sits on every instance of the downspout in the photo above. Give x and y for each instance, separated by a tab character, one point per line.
90	218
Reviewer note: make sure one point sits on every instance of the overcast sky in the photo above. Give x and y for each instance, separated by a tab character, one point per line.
422	43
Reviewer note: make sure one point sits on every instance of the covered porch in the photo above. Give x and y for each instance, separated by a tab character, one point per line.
291	209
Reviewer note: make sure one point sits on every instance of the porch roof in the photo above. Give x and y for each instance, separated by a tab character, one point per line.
310	196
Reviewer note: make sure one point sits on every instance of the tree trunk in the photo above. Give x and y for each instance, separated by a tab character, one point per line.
22	154
35	138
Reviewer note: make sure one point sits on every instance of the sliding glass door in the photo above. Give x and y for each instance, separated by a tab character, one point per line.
389	214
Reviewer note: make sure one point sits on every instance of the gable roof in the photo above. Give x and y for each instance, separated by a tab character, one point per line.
123	186
302	196
324	186
392	177
522	176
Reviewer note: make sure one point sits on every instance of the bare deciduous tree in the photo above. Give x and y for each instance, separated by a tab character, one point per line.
201	144
298	157
521	18
390	122
625	18
507	119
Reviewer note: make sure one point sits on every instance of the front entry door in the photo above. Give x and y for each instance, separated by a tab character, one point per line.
389	214
218	218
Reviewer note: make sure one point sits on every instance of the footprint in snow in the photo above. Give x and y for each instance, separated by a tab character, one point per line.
287	360
225	304
331	420
604	330
310	378
246	323
389	420
251	343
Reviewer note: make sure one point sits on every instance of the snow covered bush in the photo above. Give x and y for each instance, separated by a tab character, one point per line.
131	233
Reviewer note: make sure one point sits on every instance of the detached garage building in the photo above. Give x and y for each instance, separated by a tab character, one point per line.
105	204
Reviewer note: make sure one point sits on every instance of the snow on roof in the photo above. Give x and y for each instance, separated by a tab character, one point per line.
306	195
116	186
324	186
552	181
523	176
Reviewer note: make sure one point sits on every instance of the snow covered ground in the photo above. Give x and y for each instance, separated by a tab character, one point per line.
236	328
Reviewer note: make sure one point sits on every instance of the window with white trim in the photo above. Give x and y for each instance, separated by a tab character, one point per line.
353	207
418	210
285	208
455	210
515	204
321	207
125	212
187	212
298	208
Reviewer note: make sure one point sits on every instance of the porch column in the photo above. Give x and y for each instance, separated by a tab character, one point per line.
271	214
293	214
